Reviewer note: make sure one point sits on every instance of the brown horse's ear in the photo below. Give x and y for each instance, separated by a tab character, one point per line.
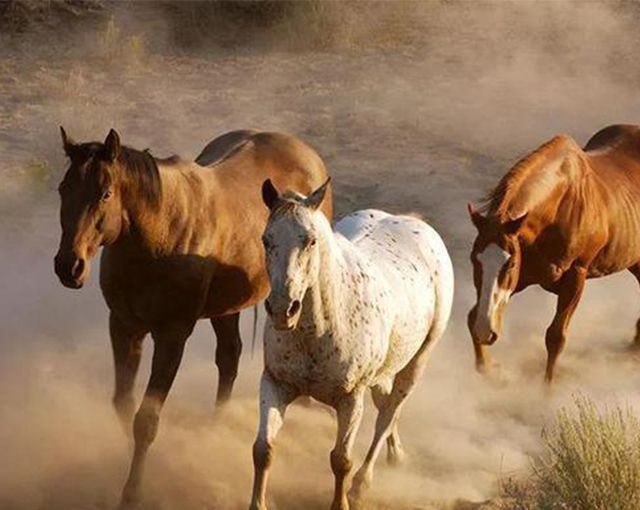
512	227
476	218
67	143
314	200
112	146
270	195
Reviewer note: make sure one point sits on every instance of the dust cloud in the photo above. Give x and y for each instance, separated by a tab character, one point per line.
415	106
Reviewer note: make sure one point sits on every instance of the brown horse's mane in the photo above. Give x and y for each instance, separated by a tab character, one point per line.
142	173
139	169
497	201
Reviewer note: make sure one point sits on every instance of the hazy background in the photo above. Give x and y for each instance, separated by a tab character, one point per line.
414	106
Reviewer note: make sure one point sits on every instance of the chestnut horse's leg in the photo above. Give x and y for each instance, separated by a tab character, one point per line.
482	357
168	348
569	293
229	347
126	341
274	400
635	271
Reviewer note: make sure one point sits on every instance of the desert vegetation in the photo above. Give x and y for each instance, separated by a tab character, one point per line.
590	461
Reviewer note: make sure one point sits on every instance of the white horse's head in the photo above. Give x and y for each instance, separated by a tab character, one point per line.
292	248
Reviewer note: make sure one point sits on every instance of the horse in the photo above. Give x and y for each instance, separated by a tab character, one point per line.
561	215
181	242
361	307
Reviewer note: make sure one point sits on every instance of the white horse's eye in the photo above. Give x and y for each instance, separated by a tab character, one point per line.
312	242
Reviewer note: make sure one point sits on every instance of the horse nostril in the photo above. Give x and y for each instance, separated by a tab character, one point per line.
294	307
493	337
78	268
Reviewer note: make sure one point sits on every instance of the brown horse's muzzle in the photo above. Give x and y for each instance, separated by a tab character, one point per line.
71	269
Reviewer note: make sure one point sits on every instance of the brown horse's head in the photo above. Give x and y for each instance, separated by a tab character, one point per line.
91	211
496	258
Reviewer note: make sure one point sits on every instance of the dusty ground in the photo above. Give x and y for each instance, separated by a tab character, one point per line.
422	125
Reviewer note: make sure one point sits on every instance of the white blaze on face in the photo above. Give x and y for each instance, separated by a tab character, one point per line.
492	260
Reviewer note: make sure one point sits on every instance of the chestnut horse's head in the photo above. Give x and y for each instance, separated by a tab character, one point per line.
496	258
91	212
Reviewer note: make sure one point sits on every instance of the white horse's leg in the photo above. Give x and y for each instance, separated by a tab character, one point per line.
395	452
349	411
403	384
274	399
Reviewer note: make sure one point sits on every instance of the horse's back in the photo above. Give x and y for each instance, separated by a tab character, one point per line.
627	135
222	146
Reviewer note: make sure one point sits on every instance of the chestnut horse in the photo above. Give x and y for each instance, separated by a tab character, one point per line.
560	216
182	241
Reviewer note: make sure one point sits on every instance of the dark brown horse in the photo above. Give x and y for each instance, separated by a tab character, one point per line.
560	216
182	242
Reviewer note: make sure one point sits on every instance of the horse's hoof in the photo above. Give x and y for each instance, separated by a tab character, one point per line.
396	458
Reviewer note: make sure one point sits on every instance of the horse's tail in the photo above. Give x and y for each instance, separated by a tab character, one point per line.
255	330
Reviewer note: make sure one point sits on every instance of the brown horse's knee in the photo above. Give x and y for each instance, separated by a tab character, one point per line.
262	454
227	356
145	426
125	407
341	464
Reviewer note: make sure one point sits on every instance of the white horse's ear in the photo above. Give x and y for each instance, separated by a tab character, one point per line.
112	146
270	195
314	200
67	142
512	227
476	218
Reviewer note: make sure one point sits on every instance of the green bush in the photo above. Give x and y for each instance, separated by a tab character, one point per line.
591	461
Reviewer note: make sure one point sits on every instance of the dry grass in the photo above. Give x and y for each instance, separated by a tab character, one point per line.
591	461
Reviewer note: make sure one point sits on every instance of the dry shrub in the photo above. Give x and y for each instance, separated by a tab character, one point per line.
591	461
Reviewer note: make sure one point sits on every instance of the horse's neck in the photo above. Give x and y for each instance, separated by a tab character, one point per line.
162	229
324	302
545	180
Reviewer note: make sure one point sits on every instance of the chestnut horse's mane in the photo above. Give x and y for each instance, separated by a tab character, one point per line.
499	202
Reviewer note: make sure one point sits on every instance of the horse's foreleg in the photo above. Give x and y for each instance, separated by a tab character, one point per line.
126	341
169	347
274	399
569	293
228	349
349	410
482	357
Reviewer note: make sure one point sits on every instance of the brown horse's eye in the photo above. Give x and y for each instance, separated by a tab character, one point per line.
106	195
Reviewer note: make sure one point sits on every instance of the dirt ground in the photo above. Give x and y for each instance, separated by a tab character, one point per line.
419	115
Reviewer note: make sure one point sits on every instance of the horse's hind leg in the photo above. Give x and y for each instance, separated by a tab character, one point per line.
168	349
229	347
395	452
403	384
635	271
126	342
